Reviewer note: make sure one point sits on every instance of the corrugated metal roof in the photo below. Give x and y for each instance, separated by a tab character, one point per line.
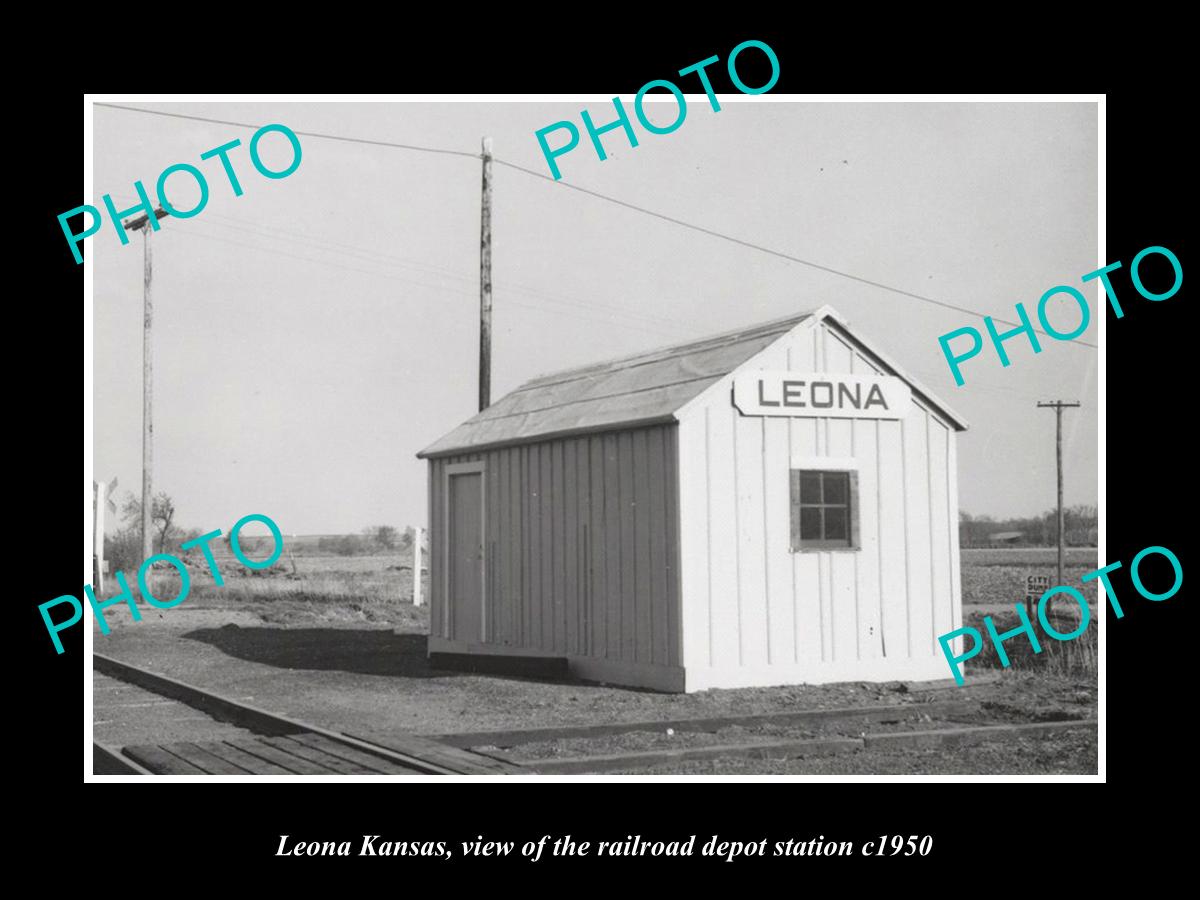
635	390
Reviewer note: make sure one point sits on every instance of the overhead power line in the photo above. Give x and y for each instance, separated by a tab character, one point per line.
315	134
760	248
622	203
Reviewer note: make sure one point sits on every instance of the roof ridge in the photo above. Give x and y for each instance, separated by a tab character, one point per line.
654	354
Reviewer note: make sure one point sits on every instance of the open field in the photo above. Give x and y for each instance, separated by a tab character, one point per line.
996	578
336	641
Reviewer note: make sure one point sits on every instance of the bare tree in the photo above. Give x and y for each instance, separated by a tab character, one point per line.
162	515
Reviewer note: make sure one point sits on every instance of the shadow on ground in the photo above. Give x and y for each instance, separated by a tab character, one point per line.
366	652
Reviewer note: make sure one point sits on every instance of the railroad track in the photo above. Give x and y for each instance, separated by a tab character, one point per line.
927	723
246	740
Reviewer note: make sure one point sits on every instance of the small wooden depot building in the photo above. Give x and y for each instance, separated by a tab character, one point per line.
775	505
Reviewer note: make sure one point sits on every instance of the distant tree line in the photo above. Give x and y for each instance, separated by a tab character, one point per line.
1079	529
123	548
374	539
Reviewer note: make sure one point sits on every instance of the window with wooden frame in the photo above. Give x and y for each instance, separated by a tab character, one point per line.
824	509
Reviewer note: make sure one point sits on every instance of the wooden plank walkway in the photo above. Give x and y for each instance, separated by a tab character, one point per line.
306	753
284	745
297	754
444	754
108	760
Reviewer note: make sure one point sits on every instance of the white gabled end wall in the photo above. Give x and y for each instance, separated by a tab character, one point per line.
755	613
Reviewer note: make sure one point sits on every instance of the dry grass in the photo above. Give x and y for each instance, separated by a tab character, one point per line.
306	590
1074	658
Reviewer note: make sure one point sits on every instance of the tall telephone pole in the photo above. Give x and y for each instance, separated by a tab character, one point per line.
485	282
142	224
1058	406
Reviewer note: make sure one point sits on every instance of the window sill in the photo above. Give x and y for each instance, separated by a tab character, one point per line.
830	549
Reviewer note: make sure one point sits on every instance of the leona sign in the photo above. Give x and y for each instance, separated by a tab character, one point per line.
821	394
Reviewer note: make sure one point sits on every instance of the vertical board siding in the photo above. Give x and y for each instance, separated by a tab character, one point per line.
612	542
599	549
656	552
777	556
643	592
842	601
939	531
673	636
722	462
569	565
525	601
545	550
867	560
628	543
916	519
892	565
864	441
495	511
750	538
888	599
529	537
801	355
556	498
582	552
512	598
694	533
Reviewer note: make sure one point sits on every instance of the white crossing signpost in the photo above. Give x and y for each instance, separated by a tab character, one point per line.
416	565
102	498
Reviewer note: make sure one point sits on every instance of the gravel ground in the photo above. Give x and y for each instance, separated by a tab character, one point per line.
345	671
345	675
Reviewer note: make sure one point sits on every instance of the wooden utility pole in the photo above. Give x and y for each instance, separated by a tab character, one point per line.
485	282
1058	406
142	224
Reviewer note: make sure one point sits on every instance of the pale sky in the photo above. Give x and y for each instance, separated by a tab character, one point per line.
313	334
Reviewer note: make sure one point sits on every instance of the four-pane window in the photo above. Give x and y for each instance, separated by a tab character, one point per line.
824	514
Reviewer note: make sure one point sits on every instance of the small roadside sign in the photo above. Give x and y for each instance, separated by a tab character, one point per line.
1035	586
